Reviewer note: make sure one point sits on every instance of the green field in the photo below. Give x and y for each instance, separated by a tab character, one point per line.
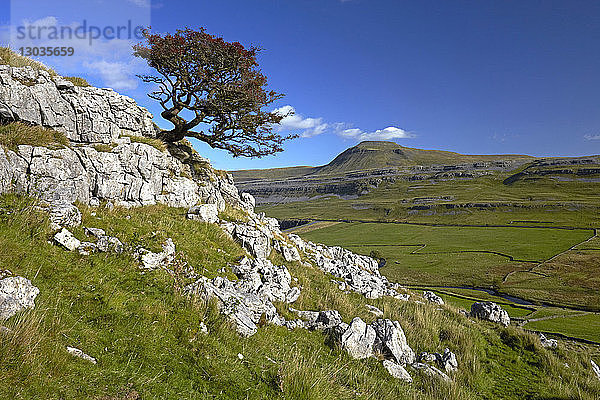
511	260
584	326
450	256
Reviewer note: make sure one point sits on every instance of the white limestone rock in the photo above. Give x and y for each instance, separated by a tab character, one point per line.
432	297
16	294
204	213
67	240
490	311
391	341
397	371
78	353
358	339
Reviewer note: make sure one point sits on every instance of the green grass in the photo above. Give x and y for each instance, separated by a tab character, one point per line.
585	326
156	143
570	280
14	134
9	57
77	81
104	148
464	298
147	341
453	256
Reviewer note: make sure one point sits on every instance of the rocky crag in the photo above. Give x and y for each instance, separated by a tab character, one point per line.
128	174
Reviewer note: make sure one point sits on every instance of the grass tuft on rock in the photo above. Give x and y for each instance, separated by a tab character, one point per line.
14	134
77	81
9	57
156	143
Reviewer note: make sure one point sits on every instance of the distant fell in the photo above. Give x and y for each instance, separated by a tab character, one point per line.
371	155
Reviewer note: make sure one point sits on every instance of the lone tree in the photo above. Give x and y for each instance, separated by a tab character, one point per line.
202	79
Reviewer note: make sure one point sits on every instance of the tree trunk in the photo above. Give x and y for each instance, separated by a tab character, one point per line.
171	136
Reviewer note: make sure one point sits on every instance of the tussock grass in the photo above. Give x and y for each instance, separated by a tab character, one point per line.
233	214
9	57
77	81
14	134
156	143
147	340
104	148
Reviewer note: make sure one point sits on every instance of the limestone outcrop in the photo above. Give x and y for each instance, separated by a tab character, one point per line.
104	160
83	114
491	312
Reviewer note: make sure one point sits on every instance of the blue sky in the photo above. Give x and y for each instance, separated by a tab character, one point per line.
476	77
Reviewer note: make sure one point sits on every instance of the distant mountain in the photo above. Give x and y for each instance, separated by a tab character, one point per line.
373	155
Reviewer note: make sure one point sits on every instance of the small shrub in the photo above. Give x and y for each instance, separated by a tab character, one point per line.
14	134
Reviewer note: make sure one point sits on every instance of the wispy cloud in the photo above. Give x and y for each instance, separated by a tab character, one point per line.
503	137
592	137
312	126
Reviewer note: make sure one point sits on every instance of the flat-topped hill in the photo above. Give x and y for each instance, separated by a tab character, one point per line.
372	155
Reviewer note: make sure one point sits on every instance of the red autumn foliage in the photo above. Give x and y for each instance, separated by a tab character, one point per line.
219	85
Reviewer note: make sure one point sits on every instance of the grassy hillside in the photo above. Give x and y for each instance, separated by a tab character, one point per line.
147	338
374	155
377	155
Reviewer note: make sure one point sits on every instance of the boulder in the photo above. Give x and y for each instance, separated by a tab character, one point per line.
490	311
447	361
67	240
109	244
431	371
256	241
16	294
320	320
358	339
204	213
83	114
391	342
244	309
425	357
289	253
248	202
397	371
261	277
151	261
548	343
87	248
78	353
432	297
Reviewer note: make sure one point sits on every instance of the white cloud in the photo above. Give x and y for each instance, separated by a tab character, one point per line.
592	137
117	75
389	133
296	123
309	127
110	60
